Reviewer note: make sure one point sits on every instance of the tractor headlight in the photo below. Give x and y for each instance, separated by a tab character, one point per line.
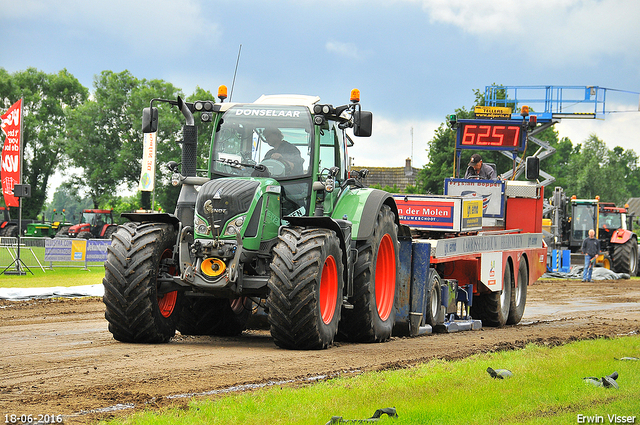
234	227
200	226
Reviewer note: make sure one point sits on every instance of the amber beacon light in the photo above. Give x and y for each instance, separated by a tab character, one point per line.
355	95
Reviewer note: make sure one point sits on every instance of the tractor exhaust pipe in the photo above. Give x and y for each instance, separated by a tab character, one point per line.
190	141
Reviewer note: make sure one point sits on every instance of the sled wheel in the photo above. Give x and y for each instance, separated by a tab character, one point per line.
434	299
493	307
305	288
519	294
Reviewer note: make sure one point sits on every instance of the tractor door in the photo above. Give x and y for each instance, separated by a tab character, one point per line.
332	154
584	216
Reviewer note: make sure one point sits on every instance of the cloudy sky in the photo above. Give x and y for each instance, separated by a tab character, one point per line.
414	61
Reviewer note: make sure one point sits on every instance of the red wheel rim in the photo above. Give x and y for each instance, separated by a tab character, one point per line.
167	302
385	280
328	290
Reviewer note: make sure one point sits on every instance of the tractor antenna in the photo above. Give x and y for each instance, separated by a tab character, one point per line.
235	73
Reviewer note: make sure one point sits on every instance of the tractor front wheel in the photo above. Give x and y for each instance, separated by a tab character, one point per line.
140	254
305	288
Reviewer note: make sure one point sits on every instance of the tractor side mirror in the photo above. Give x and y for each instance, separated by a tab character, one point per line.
149	120
362	123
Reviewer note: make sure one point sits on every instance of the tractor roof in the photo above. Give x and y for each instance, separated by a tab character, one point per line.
279	99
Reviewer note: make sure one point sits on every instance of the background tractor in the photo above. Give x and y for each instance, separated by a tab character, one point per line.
49	228
613	225
94	224
283	227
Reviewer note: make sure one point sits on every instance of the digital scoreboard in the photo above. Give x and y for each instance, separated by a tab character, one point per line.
490	134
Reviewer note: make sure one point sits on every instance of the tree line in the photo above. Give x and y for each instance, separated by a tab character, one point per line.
95	139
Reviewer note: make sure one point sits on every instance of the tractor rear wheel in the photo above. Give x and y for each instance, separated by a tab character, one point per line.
110	231
493	307
625	257
519	294
305	288
11	231
139	254
374	284
213	316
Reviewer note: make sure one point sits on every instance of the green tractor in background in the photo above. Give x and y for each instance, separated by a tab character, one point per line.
279	224
51	228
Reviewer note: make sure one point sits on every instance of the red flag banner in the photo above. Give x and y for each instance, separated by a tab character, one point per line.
10	172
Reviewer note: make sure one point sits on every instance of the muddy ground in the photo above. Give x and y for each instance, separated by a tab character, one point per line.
57	356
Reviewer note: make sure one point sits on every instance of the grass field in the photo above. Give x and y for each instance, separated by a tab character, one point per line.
546	388
59	276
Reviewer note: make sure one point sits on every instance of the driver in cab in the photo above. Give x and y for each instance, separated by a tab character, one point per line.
478	170
282	151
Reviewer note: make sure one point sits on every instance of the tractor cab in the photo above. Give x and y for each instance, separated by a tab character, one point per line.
94	224
262	140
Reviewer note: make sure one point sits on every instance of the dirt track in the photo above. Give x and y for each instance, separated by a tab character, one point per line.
57	357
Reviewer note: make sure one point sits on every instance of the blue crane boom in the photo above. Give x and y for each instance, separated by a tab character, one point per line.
552	103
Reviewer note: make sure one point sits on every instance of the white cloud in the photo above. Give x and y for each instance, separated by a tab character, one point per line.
554	30
391	143
347	50
146	26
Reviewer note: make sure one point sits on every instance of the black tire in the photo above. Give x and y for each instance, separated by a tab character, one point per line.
375	274
493	307
138	254
84	235
305	289
110	231
11	231
213	316
433	299
63	231
625	257
519	294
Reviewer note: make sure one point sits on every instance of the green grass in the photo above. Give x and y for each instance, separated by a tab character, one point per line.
59	276
547	388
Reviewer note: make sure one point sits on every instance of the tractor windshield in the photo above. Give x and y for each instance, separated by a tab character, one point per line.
279	137
611	220
584	218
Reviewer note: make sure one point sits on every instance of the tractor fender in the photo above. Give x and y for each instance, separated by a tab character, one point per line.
621	236
156	217
361	207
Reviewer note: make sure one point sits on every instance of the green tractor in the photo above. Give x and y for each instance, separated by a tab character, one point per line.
279	225
49	228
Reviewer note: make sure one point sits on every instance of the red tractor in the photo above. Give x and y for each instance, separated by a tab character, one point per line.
95	224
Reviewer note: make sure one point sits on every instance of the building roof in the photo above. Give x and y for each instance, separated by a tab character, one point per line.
400	177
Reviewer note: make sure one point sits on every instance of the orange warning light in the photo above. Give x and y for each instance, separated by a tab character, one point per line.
355	95
222	92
